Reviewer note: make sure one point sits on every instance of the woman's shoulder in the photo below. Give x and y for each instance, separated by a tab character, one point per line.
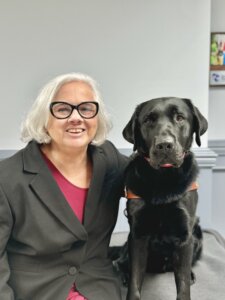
109	148
10	160
9	165
108	145
112	154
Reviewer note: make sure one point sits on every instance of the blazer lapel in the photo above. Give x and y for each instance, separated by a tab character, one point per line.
94	193
47	190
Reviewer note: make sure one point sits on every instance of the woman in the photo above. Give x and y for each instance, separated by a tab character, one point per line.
59	199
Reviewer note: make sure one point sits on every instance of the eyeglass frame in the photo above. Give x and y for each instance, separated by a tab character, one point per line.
73	107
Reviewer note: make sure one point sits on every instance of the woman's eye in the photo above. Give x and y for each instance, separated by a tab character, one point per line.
63	109
86	108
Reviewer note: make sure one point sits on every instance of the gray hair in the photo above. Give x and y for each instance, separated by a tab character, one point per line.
35	124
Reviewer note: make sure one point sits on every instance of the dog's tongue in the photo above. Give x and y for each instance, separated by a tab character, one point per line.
166	166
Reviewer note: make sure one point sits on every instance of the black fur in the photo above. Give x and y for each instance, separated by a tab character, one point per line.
165	234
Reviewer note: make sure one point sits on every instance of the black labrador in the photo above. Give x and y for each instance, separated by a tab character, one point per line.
164	230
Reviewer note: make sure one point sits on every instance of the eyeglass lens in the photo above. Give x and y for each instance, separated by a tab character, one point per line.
62	110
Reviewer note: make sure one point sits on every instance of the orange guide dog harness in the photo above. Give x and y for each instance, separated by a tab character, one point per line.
130	195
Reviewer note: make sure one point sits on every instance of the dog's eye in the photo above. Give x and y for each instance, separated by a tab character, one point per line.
150	118
179	118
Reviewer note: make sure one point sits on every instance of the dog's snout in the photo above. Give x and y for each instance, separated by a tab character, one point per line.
164	147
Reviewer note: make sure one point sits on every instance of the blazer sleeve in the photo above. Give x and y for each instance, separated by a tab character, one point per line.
6	223
117	162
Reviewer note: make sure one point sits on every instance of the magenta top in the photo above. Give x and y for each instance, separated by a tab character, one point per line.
76	197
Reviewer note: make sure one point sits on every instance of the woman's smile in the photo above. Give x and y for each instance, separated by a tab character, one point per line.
76	131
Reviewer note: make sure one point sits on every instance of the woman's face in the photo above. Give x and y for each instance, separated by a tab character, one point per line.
73	132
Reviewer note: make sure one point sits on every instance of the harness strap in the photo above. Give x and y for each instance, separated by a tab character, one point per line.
194	186
130	195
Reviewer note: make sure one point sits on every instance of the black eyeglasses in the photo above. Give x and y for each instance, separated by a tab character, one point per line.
63	110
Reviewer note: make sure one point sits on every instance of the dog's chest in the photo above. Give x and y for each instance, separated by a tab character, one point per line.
163	222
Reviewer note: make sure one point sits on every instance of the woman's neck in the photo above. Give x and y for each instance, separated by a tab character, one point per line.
75	165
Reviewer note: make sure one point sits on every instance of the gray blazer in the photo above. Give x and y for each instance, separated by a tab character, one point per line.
43	246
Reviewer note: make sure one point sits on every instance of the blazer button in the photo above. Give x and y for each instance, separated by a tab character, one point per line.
72	270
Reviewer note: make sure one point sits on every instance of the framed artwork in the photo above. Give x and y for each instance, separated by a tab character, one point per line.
217	59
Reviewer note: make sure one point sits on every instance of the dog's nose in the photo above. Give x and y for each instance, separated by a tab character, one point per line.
164	147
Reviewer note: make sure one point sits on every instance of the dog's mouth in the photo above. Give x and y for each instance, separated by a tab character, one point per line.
167	166
166	162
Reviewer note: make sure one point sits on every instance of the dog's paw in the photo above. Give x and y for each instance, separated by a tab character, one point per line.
133	295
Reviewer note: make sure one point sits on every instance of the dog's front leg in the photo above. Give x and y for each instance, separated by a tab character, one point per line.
138	253
137	249
182	270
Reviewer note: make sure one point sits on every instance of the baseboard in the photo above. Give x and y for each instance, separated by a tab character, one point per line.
218	192
218	146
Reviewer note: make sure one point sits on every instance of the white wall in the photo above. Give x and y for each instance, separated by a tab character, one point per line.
135	49
217	94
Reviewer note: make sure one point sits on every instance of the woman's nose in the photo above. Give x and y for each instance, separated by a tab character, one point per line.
75	116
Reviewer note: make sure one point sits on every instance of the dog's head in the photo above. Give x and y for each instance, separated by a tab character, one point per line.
162	130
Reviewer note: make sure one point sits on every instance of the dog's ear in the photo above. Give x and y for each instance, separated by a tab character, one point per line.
131	132
200	123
